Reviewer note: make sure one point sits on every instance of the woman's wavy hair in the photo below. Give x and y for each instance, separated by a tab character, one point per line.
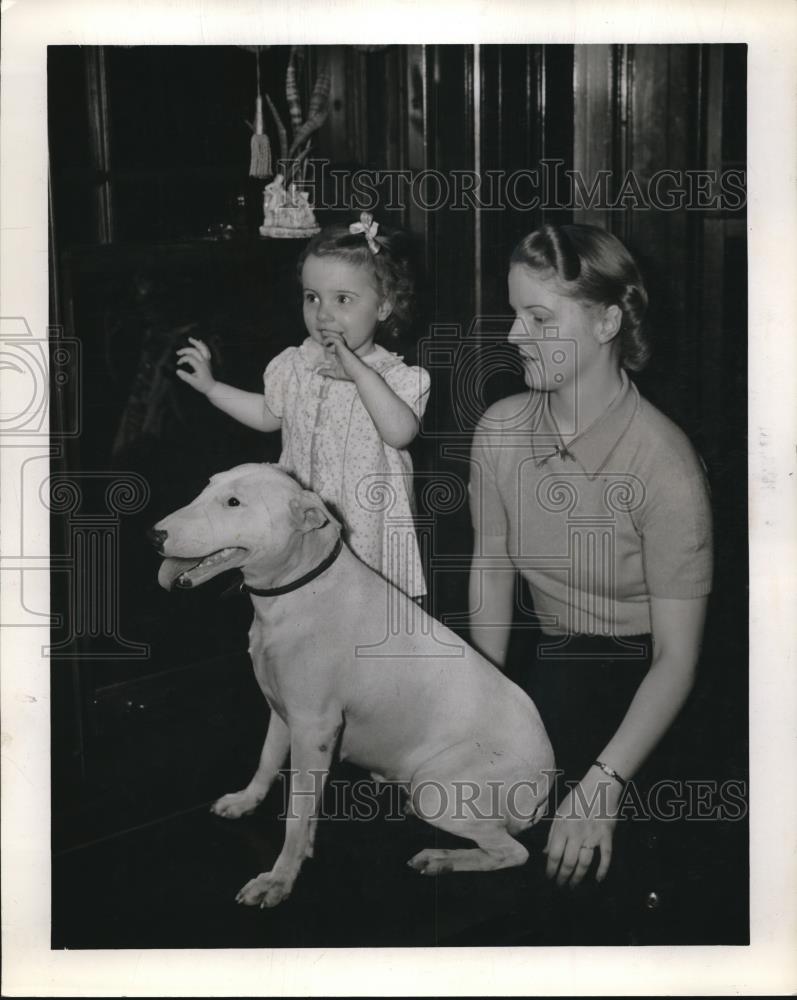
596	268
391	269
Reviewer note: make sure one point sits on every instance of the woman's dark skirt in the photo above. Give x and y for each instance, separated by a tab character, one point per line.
582	687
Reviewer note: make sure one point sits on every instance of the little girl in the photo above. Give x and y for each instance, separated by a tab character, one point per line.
347	408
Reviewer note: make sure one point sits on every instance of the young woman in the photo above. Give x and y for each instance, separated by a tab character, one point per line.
600	502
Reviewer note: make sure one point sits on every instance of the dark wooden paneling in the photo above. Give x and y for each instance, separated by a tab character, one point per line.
641	109
451	130
663	242
593	146
526	118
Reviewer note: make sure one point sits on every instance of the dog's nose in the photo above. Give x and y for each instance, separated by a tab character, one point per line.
157	536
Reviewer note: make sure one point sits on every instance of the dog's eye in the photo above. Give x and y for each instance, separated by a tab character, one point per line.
233	502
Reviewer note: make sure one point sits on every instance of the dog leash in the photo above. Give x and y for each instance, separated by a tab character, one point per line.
241	587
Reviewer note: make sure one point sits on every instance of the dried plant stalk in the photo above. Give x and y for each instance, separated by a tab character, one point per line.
319	109
292	93
283	135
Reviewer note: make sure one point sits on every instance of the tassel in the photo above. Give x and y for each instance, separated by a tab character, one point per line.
260	162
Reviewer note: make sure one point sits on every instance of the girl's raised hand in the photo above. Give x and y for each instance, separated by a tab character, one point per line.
198	372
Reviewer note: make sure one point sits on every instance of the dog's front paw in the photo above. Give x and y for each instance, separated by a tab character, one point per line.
237	804
266	890
431	862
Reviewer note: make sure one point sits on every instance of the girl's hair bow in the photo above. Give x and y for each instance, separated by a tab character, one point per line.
368	228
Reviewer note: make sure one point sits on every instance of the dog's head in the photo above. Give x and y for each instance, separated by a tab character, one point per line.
252	514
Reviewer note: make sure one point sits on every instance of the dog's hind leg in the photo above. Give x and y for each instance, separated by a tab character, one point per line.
473	809
479	792
497	849
272	757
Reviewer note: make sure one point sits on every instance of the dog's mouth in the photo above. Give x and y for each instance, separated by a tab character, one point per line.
186	573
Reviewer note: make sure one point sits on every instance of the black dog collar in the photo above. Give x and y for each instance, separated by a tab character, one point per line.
294	584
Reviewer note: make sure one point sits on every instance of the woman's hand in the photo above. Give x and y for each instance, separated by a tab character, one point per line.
199	374
583	827
341	362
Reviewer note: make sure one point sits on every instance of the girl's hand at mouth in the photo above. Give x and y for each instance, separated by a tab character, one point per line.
342	363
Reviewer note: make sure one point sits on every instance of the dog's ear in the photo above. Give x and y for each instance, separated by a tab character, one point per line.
308	512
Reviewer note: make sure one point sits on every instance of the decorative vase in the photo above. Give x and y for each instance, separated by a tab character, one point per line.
287	214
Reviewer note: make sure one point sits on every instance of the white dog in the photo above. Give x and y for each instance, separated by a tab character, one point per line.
345	660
